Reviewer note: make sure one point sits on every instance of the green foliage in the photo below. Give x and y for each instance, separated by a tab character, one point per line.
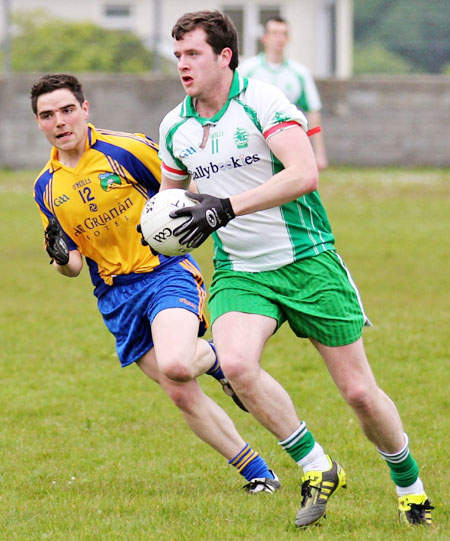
376	59
47	44
414	29
90	451
367	14
446	69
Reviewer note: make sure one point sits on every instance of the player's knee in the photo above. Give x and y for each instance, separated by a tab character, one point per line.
237	367
177	370
360	397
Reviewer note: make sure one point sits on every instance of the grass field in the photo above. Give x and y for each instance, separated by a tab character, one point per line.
92	451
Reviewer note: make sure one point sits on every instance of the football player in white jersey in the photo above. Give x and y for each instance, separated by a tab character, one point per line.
293	78
246	147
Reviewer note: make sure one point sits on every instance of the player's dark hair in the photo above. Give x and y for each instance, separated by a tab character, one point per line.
56	81
219	29
275	19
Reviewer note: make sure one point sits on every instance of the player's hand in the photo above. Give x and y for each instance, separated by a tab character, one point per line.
143	241
208	215
55	242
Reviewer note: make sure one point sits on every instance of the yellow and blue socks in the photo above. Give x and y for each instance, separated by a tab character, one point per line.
303	449
250	464
216	370
404	470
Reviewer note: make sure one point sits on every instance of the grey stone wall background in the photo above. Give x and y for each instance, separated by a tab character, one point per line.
389	121
366	121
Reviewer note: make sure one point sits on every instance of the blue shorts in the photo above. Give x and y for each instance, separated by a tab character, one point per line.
132	303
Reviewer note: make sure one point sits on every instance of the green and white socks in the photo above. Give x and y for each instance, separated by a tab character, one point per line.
404	471
309	455
305	451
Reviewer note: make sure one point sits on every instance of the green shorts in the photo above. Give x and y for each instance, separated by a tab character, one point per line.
315	295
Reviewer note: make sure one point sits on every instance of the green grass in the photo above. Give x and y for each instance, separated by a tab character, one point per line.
92	451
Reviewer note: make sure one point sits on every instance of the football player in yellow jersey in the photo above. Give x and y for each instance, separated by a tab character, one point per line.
90	195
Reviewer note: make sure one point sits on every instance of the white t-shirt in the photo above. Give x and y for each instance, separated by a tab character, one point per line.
228	154
294	79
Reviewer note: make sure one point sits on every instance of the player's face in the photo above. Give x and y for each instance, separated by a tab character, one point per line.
63	120
200	69
276	37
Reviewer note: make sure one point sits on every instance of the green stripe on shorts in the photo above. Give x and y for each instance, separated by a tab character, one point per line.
315	295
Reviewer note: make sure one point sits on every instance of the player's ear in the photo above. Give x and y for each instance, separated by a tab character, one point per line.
37	122
85	107
226	55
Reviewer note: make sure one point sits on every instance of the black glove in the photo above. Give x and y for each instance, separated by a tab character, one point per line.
139	230
55	242
143	241
208	215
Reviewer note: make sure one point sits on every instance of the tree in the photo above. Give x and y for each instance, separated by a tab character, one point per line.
377	59
416	30
47	44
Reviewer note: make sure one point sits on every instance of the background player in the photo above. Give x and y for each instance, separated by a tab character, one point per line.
274	256
90	197
293	78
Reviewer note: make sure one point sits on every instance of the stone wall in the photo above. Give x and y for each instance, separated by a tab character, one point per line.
366	121
389	121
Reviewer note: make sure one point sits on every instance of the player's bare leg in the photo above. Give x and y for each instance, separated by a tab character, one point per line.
205	418
174	333
376	412
381	423
181	355
240	339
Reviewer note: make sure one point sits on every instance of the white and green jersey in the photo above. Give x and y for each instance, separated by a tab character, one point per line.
228	154
294	79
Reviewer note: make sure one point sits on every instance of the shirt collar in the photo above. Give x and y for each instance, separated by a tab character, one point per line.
271	65
238	84
91	139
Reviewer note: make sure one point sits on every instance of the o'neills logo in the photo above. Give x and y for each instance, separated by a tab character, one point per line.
207	171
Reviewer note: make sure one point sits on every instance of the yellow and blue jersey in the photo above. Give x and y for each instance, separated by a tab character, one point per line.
99	202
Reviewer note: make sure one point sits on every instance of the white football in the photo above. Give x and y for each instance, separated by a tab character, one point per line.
157	226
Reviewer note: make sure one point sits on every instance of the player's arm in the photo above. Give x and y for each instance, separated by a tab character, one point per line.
317	140
67	262
299	176
168	183
73	267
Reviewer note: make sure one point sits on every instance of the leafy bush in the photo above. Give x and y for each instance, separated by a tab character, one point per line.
377	59
47	44
415	30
